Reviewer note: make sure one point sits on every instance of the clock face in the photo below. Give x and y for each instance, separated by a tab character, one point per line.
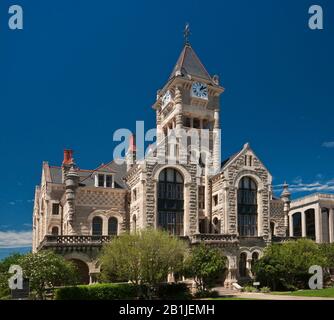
166	99
200	90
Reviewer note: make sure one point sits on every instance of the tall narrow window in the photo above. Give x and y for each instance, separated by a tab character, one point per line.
108	181
170	201
55	209
310	224
97	226
112	226
247	207
201	197
297	224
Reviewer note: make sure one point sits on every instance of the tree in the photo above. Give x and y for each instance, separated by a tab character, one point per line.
204	264
143	258
285	266
45	269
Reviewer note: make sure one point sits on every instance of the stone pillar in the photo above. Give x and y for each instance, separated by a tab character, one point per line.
216	144
231	277
178	107
318	224
331	225
291	225
303	224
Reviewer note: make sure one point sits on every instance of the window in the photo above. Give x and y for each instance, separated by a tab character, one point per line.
108	181
297	224
272	228
197	123
310	223
201	197
101	180
134	194
247	207
97	226
243	265
215	200
55	209
104	181
170	201
112	226
55	231
187	122
216	225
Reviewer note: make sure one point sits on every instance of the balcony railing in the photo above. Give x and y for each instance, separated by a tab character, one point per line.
215	238
59	241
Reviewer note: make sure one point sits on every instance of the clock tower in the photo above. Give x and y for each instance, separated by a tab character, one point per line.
190	101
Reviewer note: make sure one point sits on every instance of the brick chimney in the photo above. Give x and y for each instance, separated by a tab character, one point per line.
67	163
68	157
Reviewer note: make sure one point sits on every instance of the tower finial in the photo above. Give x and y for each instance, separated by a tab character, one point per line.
187	33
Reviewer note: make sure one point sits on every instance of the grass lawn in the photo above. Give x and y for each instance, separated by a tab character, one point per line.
323	293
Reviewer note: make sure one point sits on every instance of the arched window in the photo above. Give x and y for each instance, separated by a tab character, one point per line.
55	231
112	226
247	207
272	228
255	257
243	265
170	201
216	225
97	226
297	224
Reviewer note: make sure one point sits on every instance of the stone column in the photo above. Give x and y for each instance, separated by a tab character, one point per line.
303	224
178	107
291	225
318	224
231	277
331	225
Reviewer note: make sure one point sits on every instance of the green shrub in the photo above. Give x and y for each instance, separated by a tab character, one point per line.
203	294
265	290
249	289
173	291
113	291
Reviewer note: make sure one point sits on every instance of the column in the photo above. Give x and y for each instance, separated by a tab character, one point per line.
331	225
303	224
318	224
291	225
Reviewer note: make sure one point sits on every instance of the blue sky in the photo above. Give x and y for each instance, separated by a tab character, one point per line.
81	69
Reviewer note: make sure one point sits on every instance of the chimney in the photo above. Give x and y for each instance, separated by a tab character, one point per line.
67	162
68	157
131	154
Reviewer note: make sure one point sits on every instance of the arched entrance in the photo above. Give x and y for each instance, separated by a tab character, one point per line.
243	265
170	201
83	270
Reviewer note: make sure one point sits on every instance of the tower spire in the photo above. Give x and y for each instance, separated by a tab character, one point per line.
186	34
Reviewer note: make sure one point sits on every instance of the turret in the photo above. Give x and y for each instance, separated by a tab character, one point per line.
286	198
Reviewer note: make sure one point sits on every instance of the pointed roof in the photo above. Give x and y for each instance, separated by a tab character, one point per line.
189	64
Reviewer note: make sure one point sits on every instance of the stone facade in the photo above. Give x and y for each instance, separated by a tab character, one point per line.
226	204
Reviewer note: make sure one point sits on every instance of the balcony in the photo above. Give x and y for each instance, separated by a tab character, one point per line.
73	241
215	238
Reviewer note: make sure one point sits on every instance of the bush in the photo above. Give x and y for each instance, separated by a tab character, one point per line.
173	291
206	294
249	289
265	290
285	266
112	291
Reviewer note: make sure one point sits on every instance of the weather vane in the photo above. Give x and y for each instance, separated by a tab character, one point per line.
187	33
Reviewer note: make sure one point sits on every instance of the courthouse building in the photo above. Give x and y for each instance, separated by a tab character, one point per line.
231	206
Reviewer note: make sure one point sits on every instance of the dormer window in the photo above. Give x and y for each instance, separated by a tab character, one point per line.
104	180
